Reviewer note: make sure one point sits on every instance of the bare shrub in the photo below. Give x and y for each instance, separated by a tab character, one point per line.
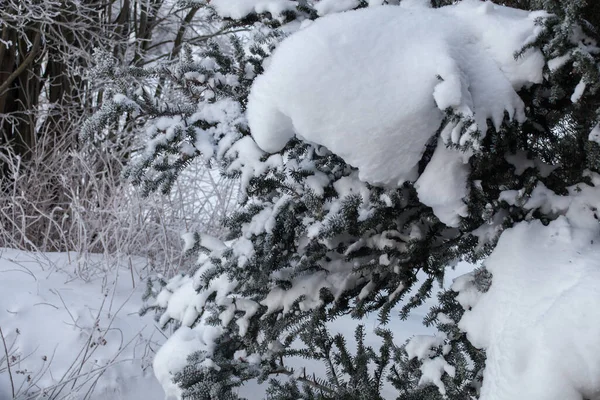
58	194
74	200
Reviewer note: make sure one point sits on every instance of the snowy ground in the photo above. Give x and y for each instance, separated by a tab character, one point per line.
76	339
73	339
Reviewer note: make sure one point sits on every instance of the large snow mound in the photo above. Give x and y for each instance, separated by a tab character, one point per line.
539	322
375	97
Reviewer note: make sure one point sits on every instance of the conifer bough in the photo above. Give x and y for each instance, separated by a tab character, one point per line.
373	145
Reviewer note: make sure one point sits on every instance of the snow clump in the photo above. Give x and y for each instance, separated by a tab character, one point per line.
240	9
325	7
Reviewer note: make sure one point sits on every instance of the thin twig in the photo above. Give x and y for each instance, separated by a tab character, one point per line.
12	383
131	270
312	382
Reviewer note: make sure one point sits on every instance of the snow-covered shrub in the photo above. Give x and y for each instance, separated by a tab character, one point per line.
75	200
372	145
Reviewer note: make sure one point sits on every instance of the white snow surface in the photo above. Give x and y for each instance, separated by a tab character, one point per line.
595	134
432	370
325	7
420	346
578	91
68	335
172	357
443	184
539	321
415	3
239	9
376	96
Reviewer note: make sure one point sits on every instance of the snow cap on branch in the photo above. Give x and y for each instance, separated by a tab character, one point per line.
375	97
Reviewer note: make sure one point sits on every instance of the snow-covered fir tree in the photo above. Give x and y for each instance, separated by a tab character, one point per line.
375	142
